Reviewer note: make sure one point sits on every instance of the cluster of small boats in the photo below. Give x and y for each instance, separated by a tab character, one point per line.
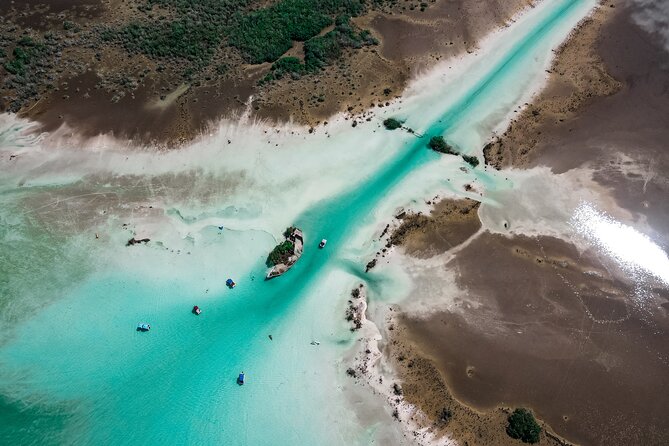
297	238
143	326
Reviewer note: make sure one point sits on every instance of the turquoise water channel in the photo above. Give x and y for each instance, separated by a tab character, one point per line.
77	373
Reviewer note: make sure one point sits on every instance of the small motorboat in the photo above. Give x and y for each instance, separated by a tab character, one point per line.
230	283
240	379
143	327
322	243
196	310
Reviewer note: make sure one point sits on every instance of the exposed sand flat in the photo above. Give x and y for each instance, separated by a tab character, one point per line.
450	223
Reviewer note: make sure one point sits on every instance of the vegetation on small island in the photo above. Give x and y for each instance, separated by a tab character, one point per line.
289	230
392	124
280	253
439	144
471	160
523	426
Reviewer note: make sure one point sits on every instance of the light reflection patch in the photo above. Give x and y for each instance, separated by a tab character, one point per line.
632	249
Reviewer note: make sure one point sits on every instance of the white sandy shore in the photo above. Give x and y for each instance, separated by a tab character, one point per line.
372	369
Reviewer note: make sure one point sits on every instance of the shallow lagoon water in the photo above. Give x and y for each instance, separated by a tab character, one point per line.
77	372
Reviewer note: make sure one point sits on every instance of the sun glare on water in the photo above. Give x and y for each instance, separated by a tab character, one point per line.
633	250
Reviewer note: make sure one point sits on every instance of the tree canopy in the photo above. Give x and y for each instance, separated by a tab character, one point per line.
439	144
523	426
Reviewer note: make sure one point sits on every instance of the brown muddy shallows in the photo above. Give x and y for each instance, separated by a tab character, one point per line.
422	384
450	223
137	115
553	329
624	137
606	106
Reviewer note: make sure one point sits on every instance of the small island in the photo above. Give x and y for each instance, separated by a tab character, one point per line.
439	144
392	124
471	160
285	254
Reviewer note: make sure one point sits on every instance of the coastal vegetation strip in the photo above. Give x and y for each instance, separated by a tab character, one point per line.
198	42
259	35
27	64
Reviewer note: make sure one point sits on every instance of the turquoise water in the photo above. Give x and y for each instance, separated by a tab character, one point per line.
78	373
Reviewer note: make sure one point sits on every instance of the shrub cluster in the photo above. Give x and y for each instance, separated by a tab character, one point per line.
523	426
26	67
439	144
262	35
281	253
25	53
321	51
392	124
471	160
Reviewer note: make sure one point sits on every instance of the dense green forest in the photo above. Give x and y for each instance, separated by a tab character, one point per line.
201	27
321	51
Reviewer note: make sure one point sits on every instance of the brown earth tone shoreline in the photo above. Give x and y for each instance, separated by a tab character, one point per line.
423	385
100	89
410	42
577	76
536	322
542	325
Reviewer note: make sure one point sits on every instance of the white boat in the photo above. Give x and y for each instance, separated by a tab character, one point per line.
322	243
